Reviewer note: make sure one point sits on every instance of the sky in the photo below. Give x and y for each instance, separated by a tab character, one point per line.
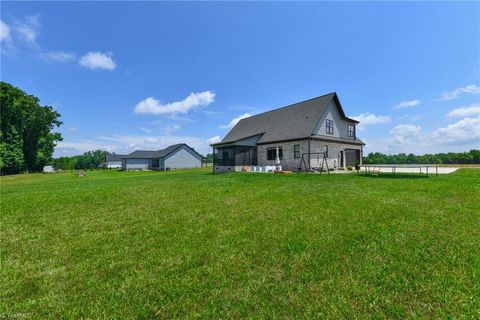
144	75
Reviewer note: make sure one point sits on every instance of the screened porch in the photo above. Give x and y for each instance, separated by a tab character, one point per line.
235	155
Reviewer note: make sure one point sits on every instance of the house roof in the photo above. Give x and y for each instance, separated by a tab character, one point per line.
325	138
147	154
296	121
114	157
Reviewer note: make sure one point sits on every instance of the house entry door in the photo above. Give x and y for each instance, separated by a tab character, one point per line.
340	159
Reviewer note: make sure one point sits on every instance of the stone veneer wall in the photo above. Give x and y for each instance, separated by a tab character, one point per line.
334	149
288	162
293	164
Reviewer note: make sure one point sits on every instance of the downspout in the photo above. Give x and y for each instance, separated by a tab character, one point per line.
309	153
213	159
361	155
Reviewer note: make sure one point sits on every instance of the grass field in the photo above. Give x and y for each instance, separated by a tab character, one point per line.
190	244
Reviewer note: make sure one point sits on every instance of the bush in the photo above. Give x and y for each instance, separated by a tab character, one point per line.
349	168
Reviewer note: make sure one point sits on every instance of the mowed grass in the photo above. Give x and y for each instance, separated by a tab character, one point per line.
190	244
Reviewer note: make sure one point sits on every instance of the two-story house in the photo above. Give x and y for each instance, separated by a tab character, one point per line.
303	133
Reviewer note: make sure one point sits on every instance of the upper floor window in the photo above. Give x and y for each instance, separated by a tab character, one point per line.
272	153
351	130
296	151
329	124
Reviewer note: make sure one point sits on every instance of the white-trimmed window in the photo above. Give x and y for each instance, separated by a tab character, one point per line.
329	125
296	151
351	130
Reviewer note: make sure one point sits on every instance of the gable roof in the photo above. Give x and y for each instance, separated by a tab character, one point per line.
146	154
113	157
296	121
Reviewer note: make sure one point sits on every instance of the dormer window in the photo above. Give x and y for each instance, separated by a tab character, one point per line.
329	124
351	130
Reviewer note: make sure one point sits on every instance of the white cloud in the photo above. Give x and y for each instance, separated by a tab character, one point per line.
73	129
4	32
58	56
194	100
465	130
129	143
405	134
171	128
214	139
98	60
368	119
126	144
145	130
65	148
406	130
449	95
234	121
465	111
29	29
407	104
456	137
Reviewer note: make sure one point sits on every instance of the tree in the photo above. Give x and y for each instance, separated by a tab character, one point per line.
25	123
471	157
88	160
209	158
11	152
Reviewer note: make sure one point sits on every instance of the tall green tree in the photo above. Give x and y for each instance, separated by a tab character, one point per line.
25	125
11	153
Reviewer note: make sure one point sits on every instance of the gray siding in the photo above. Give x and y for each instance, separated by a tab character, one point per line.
252	141
183	158
136	164
340	129
114	164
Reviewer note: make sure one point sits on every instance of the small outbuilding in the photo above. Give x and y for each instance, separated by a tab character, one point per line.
48	169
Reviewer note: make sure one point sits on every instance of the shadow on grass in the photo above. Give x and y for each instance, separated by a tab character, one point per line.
385	175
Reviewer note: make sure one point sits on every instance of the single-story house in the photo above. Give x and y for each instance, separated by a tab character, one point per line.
304	134
177	156
113	161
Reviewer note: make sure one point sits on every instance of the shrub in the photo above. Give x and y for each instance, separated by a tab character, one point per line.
349	168
357	166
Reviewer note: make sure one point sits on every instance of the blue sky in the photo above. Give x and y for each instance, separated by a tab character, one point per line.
128	76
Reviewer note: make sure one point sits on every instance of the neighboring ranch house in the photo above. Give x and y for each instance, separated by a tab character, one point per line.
114	161
177	156
304	133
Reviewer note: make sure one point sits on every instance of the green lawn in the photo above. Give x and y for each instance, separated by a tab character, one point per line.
190	244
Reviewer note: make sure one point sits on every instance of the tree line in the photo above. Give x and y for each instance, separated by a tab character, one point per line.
26	138
471	157
87	160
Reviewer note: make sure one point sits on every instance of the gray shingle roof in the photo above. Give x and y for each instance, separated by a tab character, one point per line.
146	154
114	157
141	154
295	121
